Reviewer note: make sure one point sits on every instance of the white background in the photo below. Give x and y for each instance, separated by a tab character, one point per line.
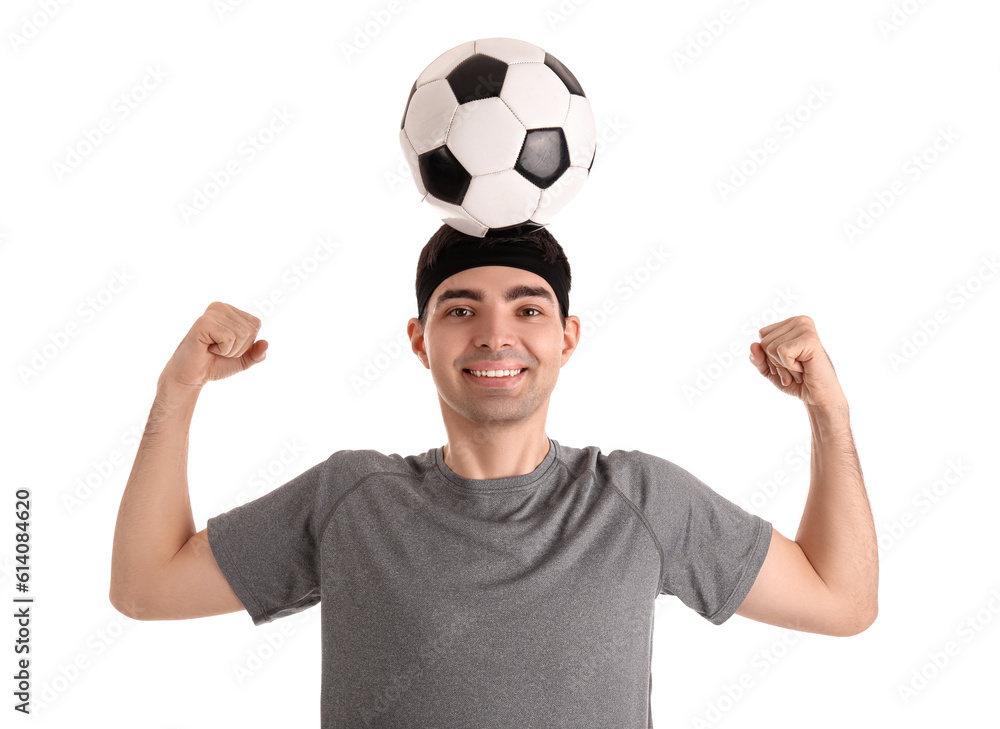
677	106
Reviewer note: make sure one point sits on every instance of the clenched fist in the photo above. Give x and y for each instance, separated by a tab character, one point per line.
791	356
221	343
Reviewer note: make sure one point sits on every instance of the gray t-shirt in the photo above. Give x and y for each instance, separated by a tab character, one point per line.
513	602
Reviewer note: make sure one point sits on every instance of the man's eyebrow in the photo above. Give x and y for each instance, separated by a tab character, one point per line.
512	294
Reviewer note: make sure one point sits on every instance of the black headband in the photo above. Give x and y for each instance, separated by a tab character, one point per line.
487	252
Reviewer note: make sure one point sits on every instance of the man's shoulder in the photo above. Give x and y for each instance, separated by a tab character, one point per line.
354	464
618	463
617	455
650	482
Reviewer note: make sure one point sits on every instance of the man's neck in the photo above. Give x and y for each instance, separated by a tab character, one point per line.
499	454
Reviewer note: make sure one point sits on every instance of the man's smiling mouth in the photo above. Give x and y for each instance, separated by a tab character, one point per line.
495	373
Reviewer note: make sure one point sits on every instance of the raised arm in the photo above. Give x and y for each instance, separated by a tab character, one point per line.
826	581
161	568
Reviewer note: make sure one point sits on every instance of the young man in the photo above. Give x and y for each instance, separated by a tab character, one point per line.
503	579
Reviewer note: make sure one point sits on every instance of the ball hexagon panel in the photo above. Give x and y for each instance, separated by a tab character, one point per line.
536	95
580	131
485	136
456	217
502	199
555	198
406	110
443	64
412	161
510	50
430	112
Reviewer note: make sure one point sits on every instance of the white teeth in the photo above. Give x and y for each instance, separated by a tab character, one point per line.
494	373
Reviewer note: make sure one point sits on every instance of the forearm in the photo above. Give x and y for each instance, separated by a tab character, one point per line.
837	532
155	518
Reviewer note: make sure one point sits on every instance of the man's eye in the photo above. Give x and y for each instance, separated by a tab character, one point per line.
462	308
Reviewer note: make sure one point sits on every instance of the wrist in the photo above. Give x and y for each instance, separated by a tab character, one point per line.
829	420
174	396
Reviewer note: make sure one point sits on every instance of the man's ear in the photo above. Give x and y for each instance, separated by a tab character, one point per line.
416	334
571	337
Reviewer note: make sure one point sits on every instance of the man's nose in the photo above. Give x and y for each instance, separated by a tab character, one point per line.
495	329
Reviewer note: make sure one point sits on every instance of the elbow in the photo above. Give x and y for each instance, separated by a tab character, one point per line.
856	628
122	605
860	619
128	606
869	618
116	595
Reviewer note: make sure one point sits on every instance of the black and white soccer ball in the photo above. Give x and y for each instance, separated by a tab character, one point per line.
499	136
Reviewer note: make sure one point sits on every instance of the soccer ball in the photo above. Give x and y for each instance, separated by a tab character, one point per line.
499	136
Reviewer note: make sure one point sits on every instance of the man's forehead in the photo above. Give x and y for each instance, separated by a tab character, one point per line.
504	282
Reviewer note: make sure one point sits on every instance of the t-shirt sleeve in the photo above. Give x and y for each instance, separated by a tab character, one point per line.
712	549
268	548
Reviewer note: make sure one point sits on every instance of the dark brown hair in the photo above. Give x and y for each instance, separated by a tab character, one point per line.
446	236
